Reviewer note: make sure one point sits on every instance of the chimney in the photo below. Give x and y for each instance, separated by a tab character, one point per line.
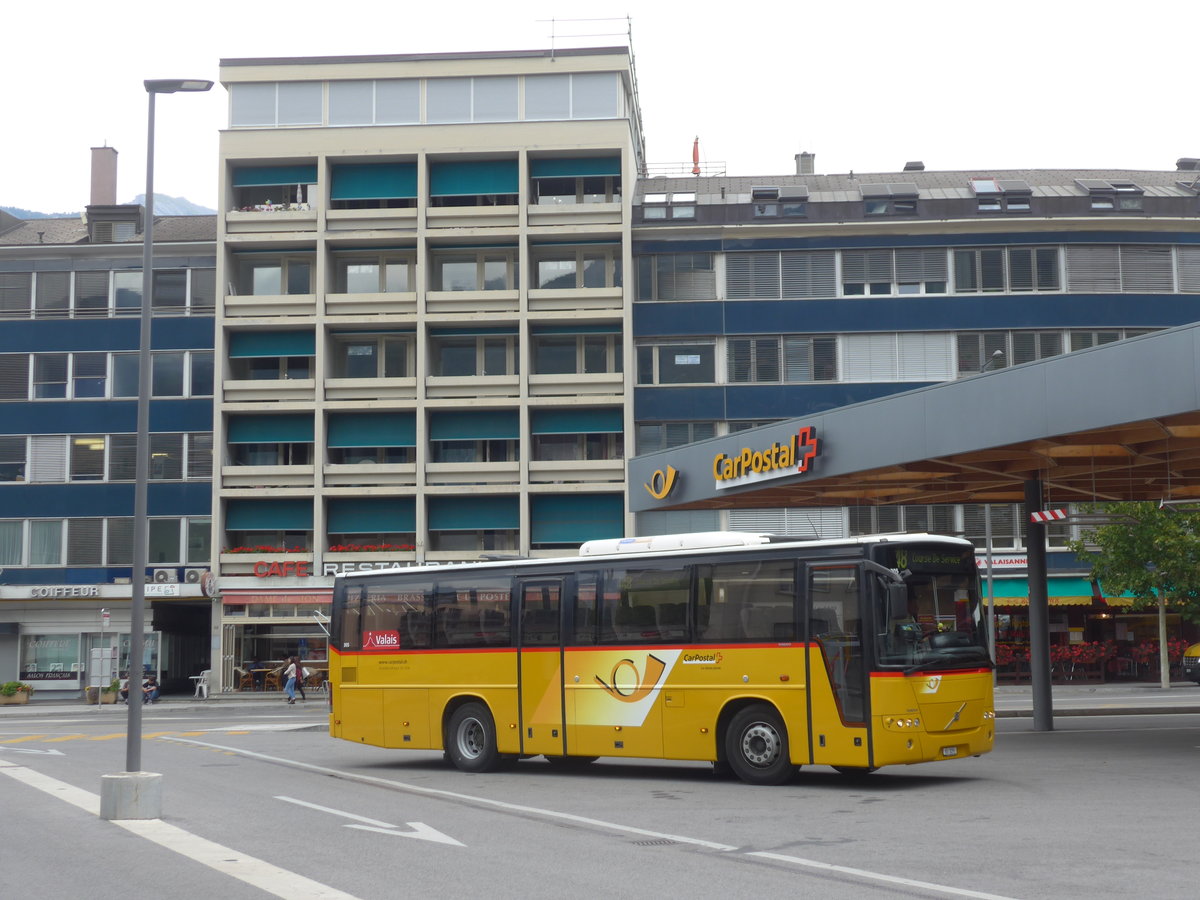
914	166
805	162
104	176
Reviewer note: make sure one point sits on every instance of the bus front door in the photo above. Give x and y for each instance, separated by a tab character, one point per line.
837	670
542	729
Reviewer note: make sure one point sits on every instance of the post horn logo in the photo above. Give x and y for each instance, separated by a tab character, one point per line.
661	483
634	685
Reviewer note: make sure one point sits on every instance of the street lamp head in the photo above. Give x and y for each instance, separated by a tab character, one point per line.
176	85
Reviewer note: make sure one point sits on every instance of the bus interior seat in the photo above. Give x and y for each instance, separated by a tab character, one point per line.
416	628
723	622
671	619
494	626
636	622
760	621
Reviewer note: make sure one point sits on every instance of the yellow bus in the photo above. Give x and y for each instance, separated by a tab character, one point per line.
757	653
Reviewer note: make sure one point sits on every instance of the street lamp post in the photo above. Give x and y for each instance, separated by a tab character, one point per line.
137	794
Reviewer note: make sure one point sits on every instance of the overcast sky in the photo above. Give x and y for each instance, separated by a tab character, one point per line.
865	86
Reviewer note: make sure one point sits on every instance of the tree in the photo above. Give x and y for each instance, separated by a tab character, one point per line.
1151	552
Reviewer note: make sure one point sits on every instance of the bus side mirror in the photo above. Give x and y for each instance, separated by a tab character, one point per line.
897	596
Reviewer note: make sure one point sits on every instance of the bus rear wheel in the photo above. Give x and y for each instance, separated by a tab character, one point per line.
471	739
756	746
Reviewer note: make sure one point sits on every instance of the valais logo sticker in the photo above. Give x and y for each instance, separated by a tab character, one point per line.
381	640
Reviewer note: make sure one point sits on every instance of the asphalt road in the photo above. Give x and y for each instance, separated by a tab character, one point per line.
260	802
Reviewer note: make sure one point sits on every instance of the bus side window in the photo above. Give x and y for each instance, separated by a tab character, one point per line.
586	596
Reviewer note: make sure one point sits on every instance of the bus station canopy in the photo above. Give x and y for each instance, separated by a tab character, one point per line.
1116	422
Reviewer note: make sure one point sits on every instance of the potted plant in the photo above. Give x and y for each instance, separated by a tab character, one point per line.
108	693
15	692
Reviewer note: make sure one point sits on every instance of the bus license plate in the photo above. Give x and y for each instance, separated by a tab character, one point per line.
949	751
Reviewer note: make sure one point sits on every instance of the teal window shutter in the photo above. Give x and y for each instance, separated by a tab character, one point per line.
372	515
477	425
575	167
398	429
474	513
374	181
244	344
576	421
575	518
481	176
287	428
269	515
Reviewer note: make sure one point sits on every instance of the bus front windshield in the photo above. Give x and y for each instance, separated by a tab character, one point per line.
943	627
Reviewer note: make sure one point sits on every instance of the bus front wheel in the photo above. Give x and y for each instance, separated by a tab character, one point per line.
471	739
756	746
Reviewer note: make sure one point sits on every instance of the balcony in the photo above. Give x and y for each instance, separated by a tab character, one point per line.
442	386
556	214
394	304
402	219
270	305
268	220
472	216
441	302
371	389
608	299
591	385
359	475
577	471
473	473
260	477
262	390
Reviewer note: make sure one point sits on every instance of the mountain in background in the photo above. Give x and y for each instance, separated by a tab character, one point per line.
163	206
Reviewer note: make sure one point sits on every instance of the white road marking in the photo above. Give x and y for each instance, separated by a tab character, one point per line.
263	875
420	830
878	876
32	750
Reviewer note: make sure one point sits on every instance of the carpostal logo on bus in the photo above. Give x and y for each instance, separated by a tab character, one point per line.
702	658
776	461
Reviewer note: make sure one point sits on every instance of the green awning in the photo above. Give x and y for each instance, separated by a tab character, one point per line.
270	176
373	429
575	518
1065	591
609	420
575	167
269	515
243	344
374	181
469	178
286	428
471	513
371	515
475	425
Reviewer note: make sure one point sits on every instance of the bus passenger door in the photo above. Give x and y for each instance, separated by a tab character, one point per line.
837	669
540	674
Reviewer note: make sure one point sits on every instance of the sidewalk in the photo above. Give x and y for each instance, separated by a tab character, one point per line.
1120	699
44	705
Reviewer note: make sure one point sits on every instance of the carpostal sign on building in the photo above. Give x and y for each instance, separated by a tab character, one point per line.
754	464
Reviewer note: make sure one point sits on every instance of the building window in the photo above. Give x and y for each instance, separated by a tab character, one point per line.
580	95
272	541
565	191
470	355
547	447
1006	269
52	298
654	436
46	542
477	541
906	271
50	375
474	451
781	358
577	354
372	356
275	277
393	101
274	104
669	205
933	519
386	274
1118	196
996	195
799	275
567	268
894	199
477	271
87	457
682	363
677	276
271	454
349	456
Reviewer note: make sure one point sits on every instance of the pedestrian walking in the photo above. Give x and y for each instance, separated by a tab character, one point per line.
301	674
289	674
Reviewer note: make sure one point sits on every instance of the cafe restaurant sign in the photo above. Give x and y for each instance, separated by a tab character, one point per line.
778	460
303	568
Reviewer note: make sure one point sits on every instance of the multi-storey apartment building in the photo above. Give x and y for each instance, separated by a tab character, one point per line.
70	298
423	325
